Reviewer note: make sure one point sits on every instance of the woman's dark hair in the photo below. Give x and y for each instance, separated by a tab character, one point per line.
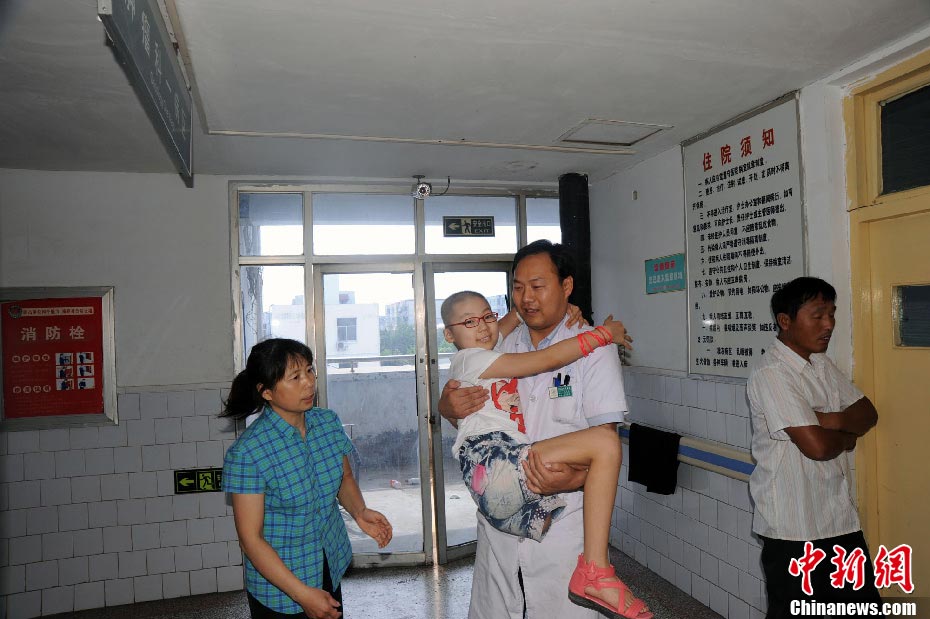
266	366
563	261
790	297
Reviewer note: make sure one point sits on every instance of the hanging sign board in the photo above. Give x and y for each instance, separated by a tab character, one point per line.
145	50
468	226
665	274
57	357
745	235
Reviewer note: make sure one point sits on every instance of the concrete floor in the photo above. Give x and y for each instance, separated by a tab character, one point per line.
438	592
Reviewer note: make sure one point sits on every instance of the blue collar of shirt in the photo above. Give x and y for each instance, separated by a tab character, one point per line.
546	341
286	430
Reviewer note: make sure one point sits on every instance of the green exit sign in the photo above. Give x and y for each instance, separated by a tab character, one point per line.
198	480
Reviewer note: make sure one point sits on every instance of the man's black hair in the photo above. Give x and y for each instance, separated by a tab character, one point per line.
789	299
563	261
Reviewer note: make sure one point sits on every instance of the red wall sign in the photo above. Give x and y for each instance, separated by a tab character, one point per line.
52	357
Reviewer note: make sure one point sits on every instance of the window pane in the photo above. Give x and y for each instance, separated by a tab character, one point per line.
272	304
542	220
905	148
271	224
503	210
912	315
352	224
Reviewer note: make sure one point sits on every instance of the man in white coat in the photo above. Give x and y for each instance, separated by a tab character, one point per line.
542	283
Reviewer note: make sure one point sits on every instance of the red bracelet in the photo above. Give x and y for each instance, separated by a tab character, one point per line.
606	332
583	345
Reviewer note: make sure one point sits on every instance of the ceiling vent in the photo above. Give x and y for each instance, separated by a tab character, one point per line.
601	132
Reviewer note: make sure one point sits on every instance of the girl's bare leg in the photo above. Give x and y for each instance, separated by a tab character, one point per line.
599	449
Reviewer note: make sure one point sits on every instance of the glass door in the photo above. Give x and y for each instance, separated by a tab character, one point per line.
456	525
366	328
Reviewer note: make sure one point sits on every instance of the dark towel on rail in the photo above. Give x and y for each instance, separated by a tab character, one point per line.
654	458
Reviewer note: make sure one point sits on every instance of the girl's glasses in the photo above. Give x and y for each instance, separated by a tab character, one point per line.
473	322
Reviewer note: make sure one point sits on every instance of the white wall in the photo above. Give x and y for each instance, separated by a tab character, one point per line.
164	248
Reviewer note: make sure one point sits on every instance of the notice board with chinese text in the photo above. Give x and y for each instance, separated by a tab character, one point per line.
57	357
744	228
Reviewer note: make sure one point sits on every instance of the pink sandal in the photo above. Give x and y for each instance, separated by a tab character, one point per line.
590	575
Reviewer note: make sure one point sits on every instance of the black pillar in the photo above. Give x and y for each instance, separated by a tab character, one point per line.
575	219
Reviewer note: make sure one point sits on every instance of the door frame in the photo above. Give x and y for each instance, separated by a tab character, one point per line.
867	205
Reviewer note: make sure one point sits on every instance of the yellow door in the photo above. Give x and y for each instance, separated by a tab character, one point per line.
900	255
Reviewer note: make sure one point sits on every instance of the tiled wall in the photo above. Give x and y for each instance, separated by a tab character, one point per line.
699	538
89	518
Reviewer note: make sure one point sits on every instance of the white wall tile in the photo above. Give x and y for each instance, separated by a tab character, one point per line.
216	554
700	480
39	465
210	453
27	549
188	558
180	404
672	390
127	459
725	398
737	431
183	455
698	422
89	595
717	426
25	494
165	482
153	405
738	609
132	564
41	575
143	485
719	486
224	529
221	428
738	553
739	494
176	585
689	392
130	511
127	405
88	542
682	419
709	567
113	436
26	441
40	520
212	504
148	588
691	504
195	429
101	514
755	561
229	578
72	571
717	542
667	569
85	438
207	402
173	533
708	509
73	517
159	509
113	487
103	567
56	491
719	600
54	440
160	560
85	489
707	395
12	579
57	600
99	461
186	507
168	431
750	588
119	592
24	605
741	407
140	432
699	589
145	537
727	518
203	581
692	557
117	539
12	468
729	578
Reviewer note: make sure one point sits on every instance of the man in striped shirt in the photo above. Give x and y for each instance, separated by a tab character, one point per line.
806	416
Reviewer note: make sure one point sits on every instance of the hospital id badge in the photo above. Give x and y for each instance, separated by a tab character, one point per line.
564	391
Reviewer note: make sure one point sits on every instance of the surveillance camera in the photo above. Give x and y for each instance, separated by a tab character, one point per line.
422	190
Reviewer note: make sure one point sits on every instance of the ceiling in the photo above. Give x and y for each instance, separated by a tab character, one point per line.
407	73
